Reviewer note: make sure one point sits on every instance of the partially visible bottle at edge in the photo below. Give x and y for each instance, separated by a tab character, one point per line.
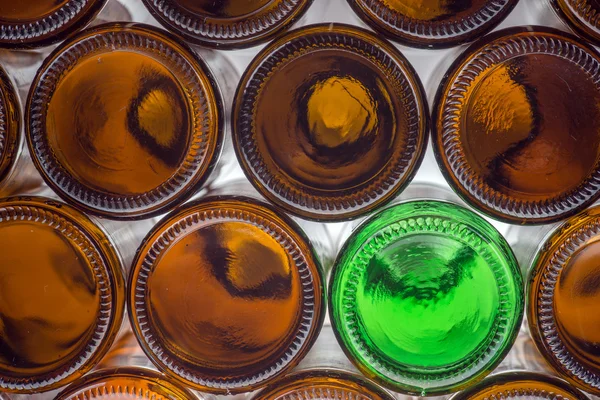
323	384
330	122
126	383
125	121
519	385
62	294
426	297
36	23
581	16
433	24
227	24
564	293
516	125
226	294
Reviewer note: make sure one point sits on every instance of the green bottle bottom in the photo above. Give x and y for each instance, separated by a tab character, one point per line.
426	297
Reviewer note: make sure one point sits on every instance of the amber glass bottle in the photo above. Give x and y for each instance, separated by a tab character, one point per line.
564	294
126	383
330	122
516	125
323	384
227	24
61	294
36	23
521	385
125	121
226	294
433	23
581	16
10	130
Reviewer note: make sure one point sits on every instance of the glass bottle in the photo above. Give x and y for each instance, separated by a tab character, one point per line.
124	121
516	125
521	385
227	24
563	298
581	16
330	122
11	141
432	23
126	383
426	297
62	294
323	384
226	294
36	23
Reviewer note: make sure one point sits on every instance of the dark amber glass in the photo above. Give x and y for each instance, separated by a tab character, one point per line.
36	23
516	125
581	16
125	121
226	294
127	383
227	24
330	122
564	299
323	384
10	129
521	385
61	294
433	23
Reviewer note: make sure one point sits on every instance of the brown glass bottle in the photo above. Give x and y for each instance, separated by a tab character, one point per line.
581	16
10	130
516	125
226	294
124	121
126	383
432	23
323	384
227	24
521	385
564	294
62	294
330	122
36	23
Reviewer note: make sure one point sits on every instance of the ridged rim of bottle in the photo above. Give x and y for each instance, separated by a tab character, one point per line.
206	133
497	382
545	273
498	47
52	28
392	224
576	13
108	269
227	209
228	33
356	387
348	203
97	385
427	34
10	125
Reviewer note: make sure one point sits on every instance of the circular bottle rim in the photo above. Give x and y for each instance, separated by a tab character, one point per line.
545	272
98	384
10	125
103	259
584	24
71	17
200	159
472	189
357	387
350	203
498	381
417	217
425	34
227	209
228	33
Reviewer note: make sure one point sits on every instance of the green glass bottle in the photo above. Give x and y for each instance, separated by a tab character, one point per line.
426	297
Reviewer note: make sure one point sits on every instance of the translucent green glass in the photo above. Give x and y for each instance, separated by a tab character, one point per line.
426	297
